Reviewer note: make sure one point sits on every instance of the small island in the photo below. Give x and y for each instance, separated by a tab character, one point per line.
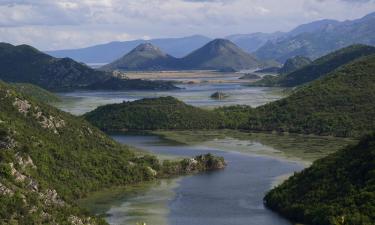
250	76
219	95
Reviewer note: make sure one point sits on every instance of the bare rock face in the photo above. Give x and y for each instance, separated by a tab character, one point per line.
50	197
23	106
46	121
5	190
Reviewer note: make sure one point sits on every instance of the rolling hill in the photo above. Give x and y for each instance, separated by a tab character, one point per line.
25	64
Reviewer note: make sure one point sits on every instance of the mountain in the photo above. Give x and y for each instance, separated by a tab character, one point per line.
105	53
320	67
338	189
294	64
26	64
251	42
320	38
219	54
312	27
143	56
342	103
49	159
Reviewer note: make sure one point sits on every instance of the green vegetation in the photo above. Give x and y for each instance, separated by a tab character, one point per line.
294	64
25	64
150	114
36	92
307	148
49	158
340	104
319	68
338	189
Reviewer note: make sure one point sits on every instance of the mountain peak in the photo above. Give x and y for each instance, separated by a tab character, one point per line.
147	47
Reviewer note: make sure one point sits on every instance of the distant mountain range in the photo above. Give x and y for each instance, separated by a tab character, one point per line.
105	53
312	40
26	64
219	54
319	38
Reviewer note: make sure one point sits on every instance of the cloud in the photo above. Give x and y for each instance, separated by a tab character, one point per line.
50	24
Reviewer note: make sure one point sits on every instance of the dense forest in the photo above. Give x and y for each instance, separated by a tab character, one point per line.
150	114
49	158
338	189
340	104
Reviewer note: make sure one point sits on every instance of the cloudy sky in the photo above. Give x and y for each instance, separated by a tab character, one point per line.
60	24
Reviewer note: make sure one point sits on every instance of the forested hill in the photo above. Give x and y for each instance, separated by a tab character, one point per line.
340	104
25	64
49	159
150	114
319	68
338	189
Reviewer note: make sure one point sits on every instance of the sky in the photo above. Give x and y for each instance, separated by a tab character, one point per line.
62	24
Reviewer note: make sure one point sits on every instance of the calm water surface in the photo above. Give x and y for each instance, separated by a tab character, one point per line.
79	102
232	196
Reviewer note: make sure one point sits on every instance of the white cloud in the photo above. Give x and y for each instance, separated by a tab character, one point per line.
50	24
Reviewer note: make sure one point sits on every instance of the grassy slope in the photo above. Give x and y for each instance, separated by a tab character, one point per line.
338	189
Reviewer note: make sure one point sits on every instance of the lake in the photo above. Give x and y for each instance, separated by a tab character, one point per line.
79	102
231	196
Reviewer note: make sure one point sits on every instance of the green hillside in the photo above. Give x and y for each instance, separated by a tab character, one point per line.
294	64
150	114
36	92
25	64
319	68
49	158
338	189
340	104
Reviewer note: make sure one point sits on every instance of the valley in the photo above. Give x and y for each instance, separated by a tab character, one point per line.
187	112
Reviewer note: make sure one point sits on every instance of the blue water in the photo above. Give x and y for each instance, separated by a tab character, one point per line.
233	196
